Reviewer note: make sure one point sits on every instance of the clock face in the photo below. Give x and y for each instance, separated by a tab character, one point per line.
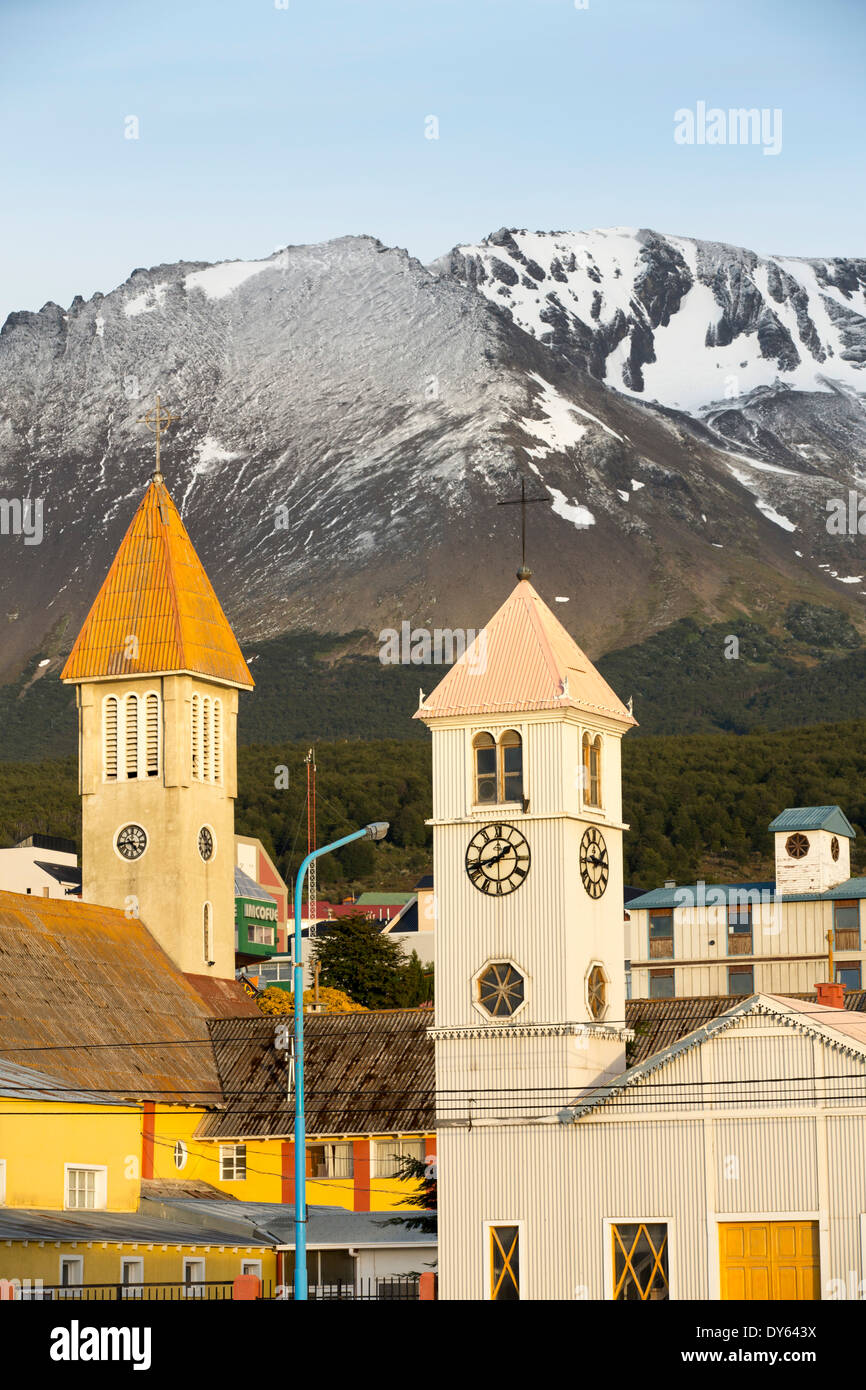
497	859
594	864
205	843
131	842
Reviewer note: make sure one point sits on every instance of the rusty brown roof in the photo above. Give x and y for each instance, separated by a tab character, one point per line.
659	1023
157	591
89	996
366	1073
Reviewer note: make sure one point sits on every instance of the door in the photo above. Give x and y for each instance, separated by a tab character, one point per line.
769	1260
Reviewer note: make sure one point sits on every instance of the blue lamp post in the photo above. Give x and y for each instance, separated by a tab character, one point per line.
377	830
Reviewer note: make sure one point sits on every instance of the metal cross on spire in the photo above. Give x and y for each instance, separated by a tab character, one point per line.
522	502
158	421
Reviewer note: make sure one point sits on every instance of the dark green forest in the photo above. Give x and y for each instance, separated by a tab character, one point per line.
698	804
809	668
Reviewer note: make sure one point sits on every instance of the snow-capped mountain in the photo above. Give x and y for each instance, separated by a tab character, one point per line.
350	420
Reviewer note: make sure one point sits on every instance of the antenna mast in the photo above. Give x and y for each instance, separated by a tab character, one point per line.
312	884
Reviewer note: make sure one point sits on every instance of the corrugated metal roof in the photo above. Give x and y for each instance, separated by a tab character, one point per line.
246	887
523	660
383	899
830	818
26	1083
90	993
694	894
366	1073
659	1023
158	591
154	1222
326	1226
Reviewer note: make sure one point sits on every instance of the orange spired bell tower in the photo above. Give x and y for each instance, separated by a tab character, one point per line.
158	670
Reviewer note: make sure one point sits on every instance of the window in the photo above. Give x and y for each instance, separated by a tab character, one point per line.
504	1264
389	1152
260	934
194	1277
216	742
592	770
849	976
71	1275
85	1188
640	1262
2	1182
661	984
275	970
132	1274
233	1162
739	929
207	933
109	726
252	1267
325	1268
498	768
206	737
797	846
151	734
511	766
661	933
741	979
195	720
485	769
500	989
131	735
596	992
180	1155
330	1161
846	926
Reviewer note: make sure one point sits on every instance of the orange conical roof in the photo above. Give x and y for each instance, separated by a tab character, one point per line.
523	660
158	592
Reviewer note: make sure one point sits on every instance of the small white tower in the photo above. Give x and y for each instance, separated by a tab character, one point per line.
813	849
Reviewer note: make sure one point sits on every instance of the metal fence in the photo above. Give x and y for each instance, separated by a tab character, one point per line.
34	1291
400	1289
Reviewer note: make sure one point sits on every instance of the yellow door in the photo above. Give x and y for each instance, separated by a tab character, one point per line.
769	1260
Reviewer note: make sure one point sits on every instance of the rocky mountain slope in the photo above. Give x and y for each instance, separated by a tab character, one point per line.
350	420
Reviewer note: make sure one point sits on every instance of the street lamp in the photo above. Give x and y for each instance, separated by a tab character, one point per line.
376	830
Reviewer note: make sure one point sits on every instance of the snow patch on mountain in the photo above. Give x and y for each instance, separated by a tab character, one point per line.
220	280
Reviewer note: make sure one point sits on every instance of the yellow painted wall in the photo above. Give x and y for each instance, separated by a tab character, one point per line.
102	1262
38	1137
264	1165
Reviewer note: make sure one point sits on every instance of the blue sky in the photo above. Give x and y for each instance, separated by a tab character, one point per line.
261	126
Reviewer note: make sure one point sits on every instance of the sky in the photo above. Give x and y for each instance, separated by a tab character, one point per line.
264	123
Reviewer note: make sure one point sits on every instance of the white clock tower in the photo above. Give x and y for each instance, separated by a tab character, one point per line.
528	866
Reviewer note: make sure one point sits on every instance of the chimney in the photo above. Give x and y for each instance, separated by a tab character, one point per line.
670	883
830	994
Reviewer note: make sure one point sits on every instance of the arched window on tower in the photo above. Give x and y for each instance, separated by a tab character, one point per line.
206	739
592	770
207	934
511	766
217	741
484	749
131	723
195	721
151	734
109	730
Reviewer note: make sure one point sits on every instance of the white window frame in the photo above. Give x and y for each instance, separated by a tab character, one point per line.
78	1261
479	1007
181	1152
194	1288
207	949
389	1147
100	1186
138	1262
247	1269
228	1156
2	1182
332	1160
521	1248
611	1221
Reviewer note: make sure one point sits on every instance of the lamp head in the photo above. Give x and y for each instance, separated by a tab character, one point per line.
378	829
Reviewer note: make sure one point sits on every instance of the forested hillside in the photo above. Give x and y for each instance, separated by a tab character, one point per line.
698	805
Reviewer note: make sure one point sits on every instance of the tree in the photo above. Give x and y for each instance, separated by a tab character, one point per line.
423	1175
370	967
331	1001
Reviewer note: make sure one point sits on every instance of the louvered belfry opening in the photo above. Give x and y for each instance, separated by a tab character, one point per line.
110	734
152	735
132	735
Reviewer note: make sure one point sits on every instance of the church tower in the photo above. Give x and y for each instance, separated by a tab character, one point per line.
527	843
158	670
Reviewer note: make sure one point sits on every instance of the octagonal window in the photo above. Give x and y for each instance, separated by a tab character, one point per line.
500	989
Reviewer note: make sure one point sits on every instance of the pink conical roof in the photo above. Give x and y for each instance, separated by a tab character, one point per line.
523	660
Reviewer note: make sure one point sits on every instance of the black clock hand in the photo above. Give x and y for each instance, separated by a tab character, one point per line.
496	858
